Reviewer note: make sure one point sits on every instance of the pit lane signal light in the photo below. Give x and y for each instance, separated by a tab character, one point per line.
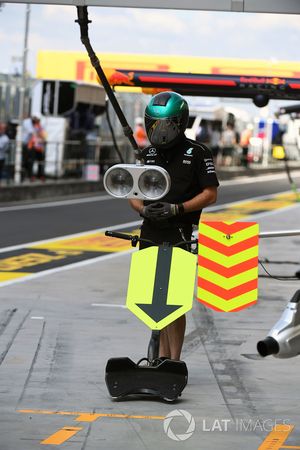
137	181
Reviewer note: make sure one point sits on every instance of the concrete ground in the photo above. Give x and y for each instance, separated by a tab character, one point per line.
55	340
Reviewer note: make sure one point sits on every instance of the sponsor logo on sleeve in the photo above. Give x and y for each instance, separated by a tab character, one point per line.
209	165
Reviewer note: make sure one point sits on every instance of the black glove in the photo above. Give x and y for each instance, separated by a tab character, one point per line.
162	210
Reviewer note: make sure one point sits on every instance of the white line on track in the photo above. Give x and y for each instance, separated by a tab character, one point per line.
131	224
87	262
77	201
71	236
258	179
238	180
107	305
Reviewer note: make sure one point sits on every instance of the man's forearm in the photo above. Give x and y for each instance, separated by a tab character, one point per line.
200	201
136	204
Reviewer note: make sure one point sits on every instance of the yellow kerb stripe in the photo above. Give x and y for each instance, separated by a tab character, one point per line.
232	215
94	242
6	276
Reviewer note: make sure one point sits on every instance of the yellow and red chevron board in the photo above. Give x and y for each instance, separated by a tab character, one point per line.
228	265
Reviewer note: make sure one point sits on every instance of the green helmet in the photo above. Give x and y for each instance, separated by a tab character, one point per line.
166	119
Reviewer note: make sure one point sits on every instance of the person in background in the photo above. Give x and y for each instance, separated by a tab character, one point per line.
140	133
203	134
37	144
245	142
27	154
215	140
228	141
4	147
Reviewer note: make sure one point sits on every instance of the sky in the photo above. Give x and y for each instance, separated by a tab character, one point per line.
169	32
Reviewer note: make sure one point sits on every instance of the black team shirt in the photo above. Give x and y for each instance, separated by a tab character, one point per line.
191	169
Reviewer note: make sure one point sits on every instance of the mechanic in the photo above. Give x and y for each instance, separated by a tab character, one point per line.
193	187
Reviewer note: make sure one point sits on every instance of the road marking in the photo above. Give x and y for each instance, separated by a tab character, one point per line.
87	417
256	207
28	261
86	414
27	276
107	305
137	223
257	179
104	197
61	436
66	433
13	276
276	439
71	236
56	204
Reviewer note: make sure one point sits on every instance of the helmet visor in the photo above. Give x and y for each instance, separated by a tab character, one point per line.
162	132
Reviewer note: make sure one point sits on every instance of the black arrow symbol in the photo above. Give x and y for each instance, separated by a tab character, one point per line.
158	309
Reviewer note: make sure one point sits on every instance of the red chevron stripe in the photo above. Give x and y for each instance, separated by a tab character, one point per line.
227	272
228	251
227	294
243	307
232	310
229	228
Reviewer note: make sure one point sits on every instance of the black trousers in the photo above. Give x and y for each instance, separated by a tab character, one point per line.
169	233
40	158
28	158
2	163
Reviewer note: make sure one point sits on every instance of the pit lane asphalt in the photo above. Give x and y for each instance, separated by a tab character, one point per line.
27	223
57	333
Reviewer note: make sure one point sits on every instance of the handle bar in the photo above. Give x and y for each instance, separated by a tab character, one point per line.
115	234
135	239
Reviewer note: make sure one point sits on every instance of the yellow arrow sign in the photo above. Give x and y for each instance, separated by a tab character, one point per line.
161	285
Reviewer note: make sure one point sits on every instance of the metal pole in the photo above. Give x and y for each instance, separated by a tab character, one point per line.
18	151
276	234
83	22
